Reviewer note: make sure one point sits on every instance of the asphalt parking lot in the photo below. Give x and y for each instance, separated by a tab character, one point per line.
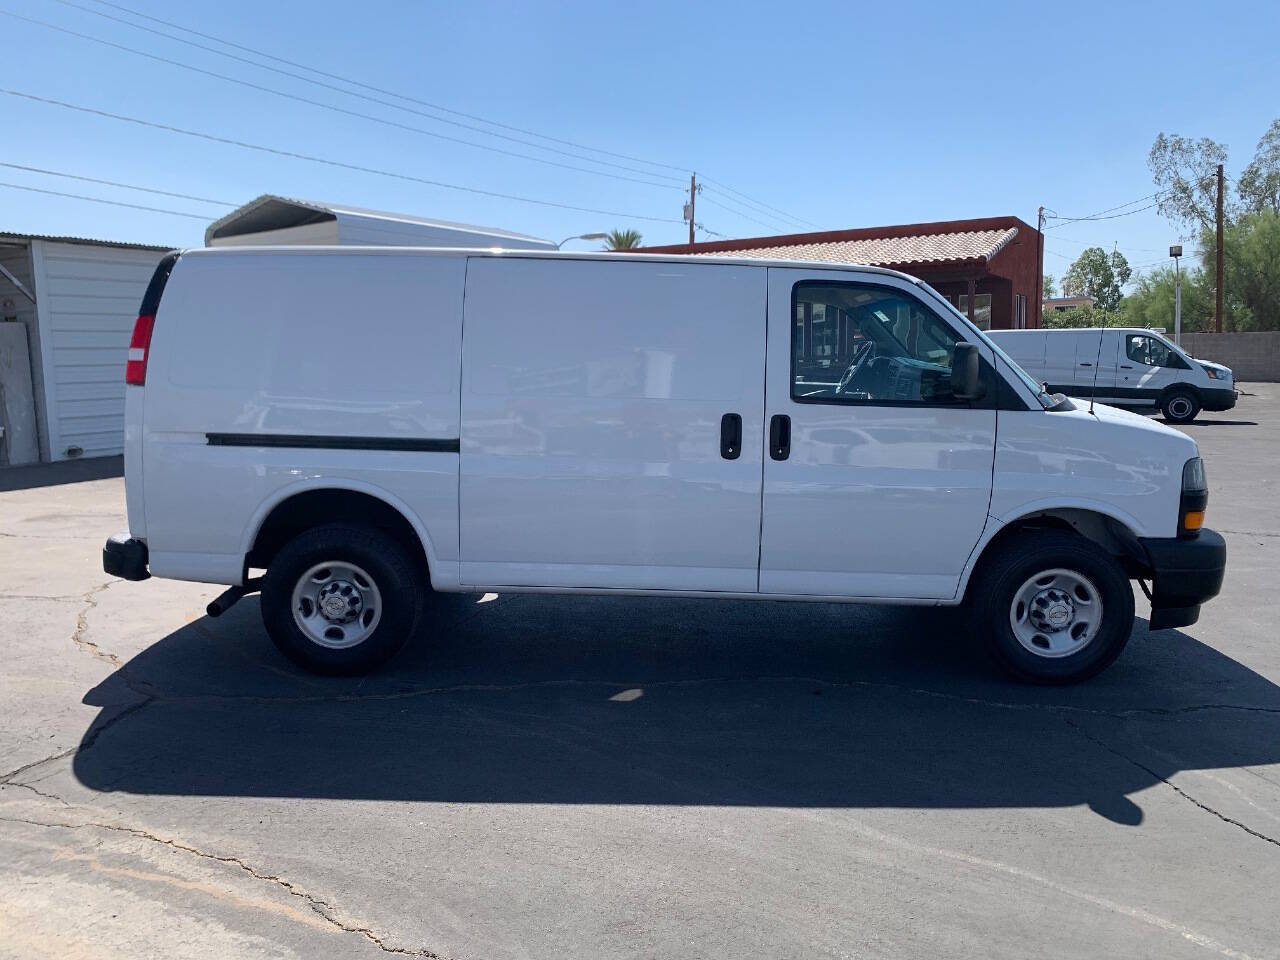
598	778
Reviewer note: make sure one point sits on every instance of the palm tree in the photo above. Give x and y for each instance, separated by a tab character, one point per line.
622	240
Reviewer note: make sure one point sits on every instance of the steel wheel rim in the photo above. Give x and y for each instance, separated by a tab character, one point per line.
336	605
1179	407
1056	613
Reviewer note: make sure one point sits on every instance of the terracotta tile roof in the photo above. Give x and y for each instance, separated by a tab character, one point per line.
963	246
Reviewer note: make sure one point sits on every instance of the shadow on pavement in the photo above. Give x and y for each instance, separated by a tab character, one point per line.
569	700
64	471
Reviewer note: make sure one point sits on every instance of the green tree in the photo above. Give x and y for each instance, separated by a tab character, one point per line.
1098	274
1079	317
1251	248
1151	303
1259	182
623	240
1050	285
1185	172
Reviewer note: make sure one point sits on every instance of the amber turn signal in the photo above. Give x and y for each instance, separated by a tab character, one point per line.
1193	520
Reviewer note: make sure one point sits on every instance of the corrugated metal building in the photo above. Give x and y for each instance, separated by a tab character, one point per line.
69	304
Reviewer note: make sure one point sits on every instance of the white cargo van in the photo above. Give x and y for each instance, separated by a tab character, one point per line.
370	424
1125	366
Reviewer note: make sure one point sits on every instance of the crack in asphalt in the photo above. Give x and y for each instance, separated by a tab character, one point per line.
36	791
319	906
1169	783
90	602
89	739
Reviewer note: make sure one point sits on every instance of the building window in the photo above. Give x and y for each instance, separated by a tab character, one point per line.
1019	312
981	309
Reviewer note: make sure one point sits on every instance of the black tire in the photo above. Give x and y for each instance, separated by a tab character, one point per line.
398	584
1016	562
1180	406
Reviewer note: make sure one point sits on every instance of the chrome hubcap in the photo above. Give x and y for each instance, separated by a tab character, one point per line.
336	604
1056	613
1180	407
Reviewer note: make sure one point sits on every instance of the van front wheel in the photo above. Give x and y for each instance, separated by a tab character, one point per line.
1180	406
1054	608
341	599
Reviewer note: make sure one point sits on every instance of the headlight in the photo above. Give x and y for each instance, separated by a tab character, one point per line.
1215	374
1194	499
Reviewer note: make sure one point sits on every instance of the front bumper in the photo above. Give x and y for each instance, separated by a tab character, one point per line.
125	557
1223	398
1185	572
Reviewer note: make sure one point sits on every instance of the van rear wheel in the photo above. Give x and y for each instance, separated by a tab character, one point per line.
341	599
1053	607
1180	406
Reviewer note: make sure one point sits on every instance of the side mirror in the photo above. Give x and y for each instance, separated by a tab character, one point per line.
966	383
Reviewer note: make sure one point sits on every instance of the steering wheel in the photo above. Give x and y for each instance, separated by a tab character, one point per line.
863	352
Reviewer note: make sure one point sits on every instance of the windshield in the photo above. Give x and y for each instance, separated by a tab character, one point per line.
1041	395
1173	347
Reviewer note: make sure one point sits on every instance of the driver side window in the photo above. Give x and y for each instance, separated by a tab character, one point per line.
862	343
1150	351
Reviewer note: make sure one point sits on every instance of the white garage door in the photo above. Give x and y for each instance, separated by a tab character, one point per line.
87	300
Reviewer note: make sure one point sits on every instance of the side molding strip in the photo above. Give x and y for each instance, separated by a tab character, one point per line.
414	444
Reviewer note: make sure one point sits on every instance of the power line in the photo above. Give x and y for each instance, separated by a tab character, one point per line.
327	162
114	203
716	203
366	86
739	206
115	183
1099	214
328	106
721	188
352	93
434	106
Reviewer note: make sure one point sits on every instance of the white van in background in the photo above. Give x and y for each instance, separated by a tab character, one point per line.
1126	366
370	424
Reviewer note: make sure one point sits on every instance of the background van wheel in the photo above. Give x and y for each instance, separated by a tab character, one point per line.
1053	607
1180	406
341	599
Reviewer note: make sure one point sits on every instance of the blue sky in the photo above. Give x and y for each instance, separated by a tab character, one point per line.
839	114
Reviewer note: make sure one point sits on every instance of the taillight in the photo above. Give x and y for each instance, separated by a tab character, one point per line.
135	370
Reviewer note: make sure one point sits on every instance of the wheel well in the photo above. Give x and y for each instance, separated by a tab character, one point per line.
1173	388
314	508
1107	532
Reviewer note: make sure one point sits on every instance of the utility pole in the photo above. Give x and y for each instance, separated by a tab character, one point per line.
688	207
1040	272
1217	316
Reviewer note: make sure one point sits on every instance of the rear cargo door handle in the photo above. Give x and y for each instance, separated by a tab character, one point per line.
780	436
731	436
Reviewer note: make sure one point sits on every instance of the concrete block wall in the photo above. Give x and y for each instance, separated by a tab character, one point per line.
1251	356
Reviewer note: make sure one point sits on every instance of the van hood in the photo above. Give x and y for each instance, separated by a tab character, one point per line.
1136	421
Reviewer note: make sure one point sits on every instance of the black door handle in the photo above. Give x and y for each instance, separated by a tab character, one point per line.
1086	364
780	436
1125	366
731	436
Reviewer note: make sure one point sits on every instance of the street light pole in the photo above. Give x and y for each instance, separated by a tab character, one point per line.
1176	253
582	236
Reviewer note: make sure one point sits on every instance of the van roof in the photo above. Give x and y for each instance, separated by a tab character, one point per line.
1080	330
363	251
